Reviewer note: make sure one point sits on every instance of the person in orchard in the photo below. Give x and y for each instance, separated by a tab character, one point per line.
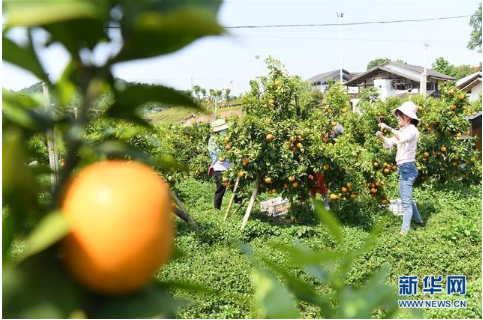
219	127
406	141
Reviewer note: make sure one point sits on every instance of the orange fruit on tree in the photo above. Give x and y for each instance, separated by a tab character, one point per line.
278	83
451	91
268	180
295	184
241	174
443	149
387	170
271	102
325	167
228	147
384	201
343	189
453	107
426	154
378	184
343	110
227	139
121	228
270	137
334	196
299	145
373	190
285	186
292	179
349	186
354	196
329	111
461	96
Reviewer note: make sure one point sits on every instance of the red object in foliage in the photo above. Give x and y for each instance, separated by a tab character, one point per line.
319	184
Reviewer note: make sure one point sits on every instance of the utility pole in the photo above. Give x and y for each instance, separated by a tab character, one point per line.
340	15
53	159
257	58
424	77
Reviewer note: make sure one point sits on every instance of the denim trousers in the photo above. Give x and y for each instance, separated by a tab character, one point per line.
407	175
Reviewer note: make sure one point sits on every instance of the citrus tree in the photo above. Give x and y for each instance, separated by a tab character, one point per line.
88	275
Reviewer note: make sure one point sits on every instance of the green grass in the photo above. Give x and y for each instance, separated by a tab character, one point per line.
450	244
178	114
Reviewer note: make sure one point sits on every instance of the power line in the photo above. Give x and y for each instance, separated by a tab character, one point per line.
343	24
348	39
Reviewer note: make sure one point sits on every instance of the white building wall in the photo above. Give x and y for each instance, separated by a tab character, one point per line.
385	88
475	92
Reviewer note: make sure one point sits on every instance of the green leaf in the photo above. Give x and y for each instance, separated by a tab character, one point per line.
23	57
19	187
304	256
152	33
361	303
9	227
38	13
150	302
66	87
134	96
327	218
77	34
39	288
25	111
302	290
50	230
272	298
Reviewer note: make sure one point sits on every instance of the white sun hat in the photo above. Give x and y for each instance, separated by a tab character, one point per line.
409	108
219	125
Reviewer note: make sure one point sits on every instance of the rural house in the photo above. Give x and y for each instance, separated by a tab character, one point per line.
398	79
471	84
320	81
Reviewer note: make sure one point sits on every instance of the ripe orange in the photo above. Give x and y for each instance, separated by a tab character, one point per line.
373	190
386	171
299	145
268	180
227	139
349	186
325	167
278	82
228	147
426	154
292	179
354	196
121	228
384	201
241	174
329	111
334	196
461	96
271	102
343	110
343	189
378	184
443	149
270	137
295	184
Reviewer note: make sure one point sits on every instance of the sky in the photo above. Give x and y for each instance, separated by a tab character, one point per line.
229	61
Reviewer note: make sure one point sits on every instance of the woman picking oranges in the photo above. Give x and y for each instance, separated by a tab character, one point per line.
406	140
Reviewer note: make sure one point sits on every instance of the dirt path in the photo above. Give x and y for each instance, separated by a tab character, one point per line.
209	117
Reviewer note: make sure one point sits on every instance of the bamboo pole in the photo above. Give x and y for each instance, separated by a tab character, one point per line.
232	198
189	219
250	204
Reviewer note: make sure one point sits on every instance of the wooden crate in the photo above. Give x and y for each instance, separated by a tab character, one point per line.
275	207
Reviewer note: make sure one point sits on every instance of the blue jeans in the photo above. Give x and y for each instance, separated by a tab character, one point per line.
407	175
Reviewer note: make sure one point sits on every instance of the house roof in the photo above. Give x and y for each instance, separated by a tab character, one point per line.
326	75
401	69
469	82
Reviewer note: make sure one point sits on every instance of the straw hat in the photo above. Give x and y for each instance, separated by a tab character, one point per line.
409	108
219	125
